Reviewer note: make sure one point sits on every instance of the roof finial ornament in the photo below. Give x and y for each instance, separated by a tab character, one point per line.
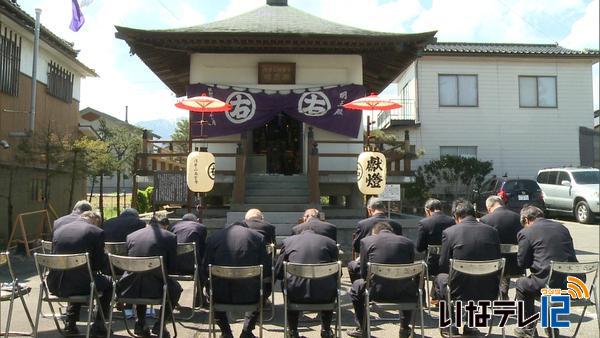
277	2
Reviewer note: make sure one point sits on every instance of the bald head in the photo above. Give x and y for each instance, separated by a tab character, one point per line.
189	217
311	213
253	214
82	206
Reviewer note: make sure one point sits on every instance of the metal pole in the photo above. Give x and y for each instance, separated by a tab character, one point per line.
36	47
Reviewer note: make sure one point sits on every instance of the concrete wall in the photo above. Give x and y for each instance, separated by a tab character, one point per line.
518	141
22	186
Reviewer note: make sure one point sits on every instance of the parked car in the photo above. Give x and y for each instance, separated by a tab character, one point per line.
516	193
572	190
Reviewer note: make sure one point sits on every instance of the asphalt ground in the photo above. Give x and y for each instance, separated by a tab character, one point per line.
586	238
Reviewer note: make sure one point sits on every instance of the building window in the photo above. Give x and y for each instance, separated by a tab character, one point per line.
10	62
537	91
458	90
459	151
38	186
60	82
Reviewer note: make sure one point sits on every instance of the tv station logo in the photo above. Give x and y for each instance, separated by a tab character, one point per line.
555	304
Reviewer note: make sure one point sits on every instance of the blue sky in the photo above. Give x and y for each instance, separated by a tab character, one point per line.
125	80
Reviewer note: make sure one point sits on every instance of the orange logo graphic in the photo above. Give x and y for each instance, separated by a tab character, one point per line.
576	288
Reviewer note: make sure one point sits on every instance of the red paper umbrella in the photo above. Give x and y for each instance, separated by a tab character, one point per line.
372	102
203	104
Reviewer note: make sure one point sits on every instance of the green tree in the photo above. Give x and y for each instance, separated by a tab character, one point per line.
456	175
46	148
123	144
181	133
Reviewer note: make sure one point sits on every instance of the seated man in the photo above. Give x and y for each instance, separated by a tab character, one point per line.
152	240
236	245
255	220
473	241
312	221
388	248
377	213
429	232
188	230
508	224
79	208
118	228
540	242
308	247
80	236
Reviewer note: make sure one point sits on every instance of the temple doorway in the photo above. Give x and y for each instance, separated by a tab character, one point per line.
280	142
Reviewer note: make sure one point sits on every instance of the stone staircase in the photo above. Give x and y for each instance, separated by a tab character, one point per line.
282	199
276	193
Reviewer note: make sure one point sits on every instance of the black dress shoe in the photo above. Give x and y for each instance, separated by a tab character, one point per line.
355	332
156	330
247	334
446	331
226	335
98	330
405	332
293	334
141	330
71	329
470	331
525	332
327	333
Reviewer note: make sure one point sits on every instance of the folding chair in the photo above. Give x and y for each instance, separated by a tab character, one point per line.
396	272
234	272
8	293
474	268
116	248
46	247
183	249
271	252
574	268
431	250
140	265
509	249
64	262
313	271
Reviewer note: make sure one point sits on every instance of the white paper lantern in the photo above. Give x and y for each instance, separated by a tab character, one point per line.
200	171
371	172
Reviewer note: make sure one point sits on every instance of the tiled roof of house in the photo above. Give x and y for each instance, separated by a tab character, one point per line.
505	49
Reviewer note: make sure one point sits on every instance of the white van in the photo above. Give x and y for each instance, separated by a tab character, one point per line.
571	190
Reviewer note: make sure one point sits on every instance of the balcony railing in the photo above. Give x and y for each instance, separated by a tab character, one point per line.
403	116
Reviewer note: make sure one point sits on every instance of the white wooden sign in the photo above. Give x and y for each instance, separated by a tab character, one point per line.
391	193
371	172
200	171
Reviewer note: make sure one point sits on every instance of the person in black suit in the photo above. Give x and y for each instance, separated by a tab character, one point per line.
79	208
468	240
429	232
508	224
376	211
388	248
309	247
189	230
152	240
312	221
255	219
540	242
117	228
236	245
80	236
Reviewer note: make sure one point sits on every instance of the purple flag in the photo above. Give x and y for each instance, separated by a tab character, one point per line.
78	20
320	107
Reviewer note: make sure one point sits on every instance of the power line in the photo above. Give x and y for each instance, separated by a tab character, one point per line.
525	20
168	10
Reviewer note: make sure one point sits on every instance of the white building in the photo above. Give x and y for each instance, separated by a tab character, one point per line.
519	106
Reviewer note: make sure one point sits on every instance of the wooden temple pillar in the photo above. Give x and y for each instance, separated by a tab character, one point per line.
239	183
314	192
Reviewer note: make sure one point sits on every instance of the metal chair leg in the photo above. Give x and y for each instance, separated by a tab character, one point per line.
90	312
421	311
38	312
367	315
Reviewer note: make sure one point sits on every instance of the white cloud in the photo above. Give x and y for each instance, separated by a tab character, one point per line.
584	32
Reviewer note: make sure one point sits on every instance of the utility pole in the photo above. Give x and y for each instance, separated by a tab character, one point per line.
36	47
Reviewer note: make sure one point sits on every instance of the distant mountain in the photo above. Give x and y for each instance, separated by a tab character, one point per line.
162	127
